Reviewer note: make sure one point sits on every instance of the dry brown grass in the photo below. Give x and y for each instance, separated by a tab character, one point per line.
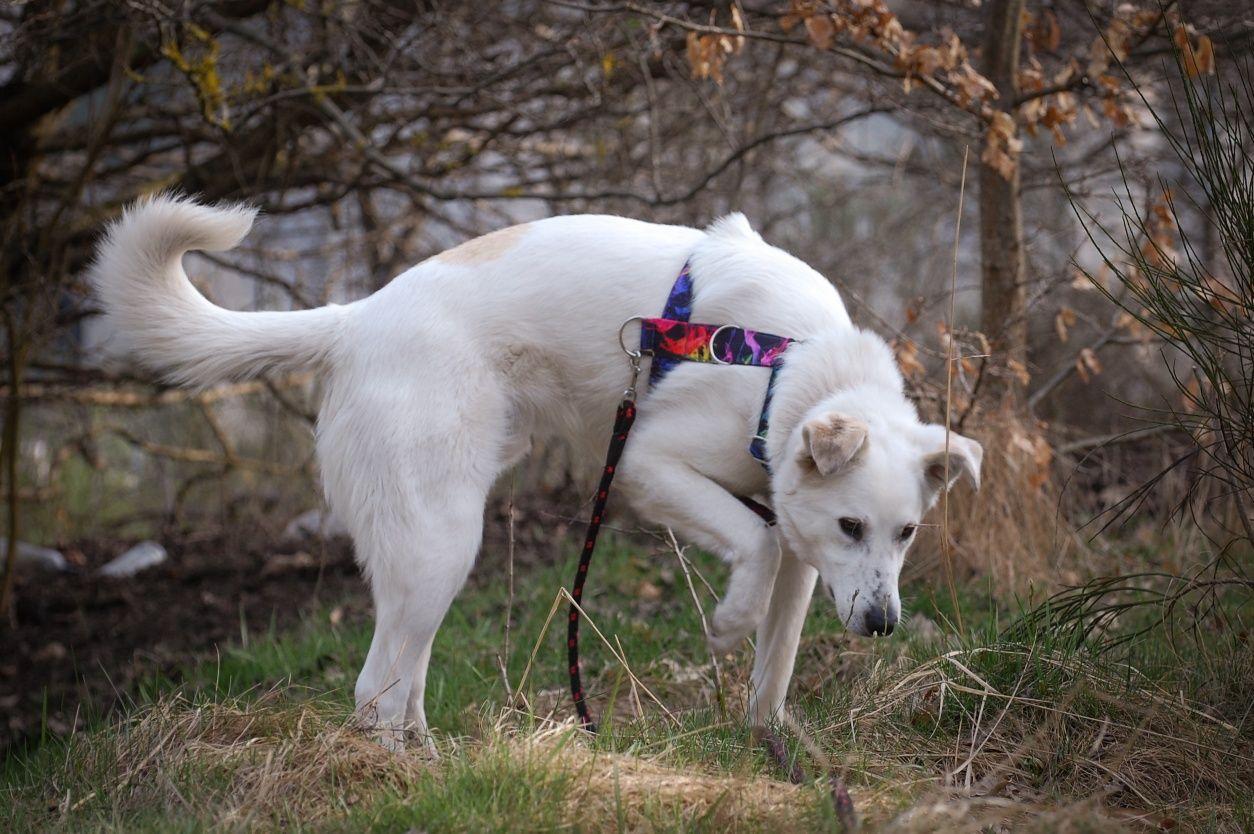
633	791
273	762
1021	732
261	763
1011	533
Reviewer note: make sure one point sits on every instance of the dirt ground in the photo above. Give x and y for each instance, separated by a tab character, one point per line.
82	643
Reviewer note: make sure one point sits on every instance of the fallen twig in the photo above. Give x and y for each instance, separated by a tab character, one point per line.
705	626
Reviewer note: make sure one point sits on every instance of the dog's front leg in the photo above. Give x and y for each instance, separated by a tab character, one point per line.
700	511
778	638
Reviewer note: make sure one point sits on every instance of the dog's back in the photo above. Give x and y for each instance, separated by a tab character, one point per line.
540	300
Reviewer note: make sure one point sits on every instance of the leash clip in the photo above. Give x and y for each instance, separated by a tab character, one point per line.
633	357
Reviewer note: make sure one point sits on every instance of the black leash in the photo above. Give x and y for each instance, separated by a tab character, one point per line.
622	424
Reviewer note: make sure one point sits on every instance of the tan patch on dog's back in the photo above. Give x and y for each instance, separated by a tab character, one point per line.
483	249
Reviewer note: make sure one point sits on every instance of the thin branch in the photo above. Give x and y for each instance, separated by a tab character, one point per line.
112	398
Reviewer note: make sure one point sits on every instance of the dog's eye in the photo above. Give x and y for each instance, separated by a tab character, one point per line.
852	528
907	532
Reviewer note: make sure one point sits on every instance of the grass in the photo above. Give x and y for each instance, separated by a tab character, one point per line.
1010	723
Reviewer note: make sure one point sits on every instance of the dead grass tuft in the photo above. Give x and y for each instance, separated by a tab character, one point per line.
242	764
274	762
636	792
1018	730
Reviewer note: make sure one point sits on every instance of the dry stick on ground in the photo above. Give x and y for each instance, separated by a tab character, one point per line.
189	454
1064	373
502	659
845	813
289	405
1086	444
535	648
635	692
705	626
946	550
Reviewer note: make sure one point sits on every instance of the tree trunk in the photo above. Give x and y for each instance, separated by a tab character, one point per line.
9	454
1003	313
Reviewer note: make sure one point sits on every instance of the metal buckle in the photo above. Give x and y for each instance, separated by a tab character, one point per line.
714	356
633	356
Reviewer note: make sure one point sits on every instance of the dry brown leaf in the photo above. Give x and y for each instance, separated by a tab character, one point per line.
908	359
1188	58
1042	455
1191	395
1043	33
1063	321
1001	145
738	23
952	51
707	55
1205	55
648	591
1019	371
1119	114
820	30
971	86
1099	58
1087	365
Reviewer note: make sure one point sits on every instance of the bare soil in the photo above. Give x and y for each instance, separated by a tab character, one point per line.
81	645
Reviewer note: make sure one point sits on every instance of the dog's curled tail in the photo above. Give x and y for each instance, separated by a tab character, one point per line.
158	315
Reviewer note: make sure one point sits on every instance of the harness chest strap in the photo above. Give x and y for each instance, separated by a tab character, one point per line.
672	338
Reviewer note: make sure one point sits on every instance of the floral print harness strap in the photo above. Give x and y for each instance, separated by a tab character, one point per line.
672	338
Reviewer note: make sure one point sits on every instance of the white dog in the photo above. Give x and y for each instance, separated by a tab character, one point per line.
438	383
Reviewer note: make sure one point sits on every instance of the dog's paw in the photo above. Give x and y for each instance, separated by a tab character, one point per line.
391	739
422	743
721	643
730	625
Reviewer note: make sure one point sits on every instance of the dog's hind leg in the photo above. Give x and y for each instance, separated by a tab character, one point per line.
415	707
778	637
412	591
407	461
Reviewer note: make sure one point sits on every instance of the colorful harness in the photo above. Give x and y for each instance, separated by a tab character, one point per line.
672	339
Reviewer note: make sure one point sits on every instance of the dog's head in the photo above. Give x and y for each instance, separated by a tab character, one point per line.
850	493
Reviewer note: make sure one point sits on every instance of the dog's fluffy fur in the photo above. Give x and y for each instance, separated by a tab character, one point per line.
439	382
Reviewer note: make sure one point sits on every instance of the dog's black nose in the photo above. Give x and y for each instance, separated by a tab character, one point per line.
877	622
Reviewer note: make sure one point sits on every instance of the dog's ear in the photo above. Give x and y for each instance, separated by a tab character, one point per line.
965	456
830	442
